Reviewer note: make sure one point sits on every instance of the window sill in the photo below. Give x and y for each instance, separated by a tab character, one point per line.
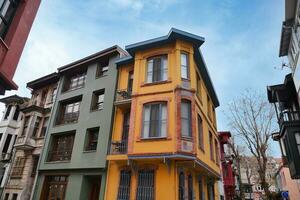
156	83
186	79
186	138
153	139
89	151
201	149
71	90
57	161
64	124
95	110
101	76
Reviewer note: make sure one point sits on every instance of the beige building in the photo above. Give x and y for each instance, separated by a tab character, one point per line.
284	182
30	138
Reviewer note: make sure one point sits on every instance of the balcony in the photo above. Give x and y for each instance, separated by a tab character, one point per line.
60	155
123	98
118	147
289	117
5	157
25	143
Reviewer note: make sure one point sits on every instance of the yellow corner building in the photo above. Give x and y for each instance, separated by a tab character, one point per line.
164	138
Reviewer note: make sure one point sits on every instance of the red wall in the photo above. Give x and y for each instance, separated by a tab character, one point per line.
12	47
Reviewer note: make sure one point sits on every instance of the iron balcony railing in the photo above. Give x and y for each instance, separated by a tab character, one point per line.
69	118
60	155
123	95
289	116
118	147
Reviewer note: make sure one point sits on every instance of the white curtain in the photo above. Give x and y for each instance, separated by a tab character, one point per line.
146	123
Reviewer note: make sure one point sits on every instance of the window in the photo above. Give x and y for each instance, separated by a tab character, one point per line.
7	143
200	132
124	185
69	112
208	108
17	170
211	146
297	136
198	86
15	196
17	112
45	125
184	65
35	161
62	146
26	124
36	126
7	12
211	191
190	188
44	98
53	95
201	192
186	121
181	186
98	100
155	120
130	82
145	187
92	139
157	69
102	68
7	112
75	82
6	196
217	152
55	187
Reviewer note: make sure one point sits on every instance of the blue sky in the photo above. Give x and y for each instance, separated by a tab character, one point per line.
241	47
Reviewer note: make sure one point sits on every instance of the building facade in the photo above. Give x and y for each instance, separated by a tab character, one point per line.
9	127
285	96
16	19
164	137
73	162
30	138
228	174
284	183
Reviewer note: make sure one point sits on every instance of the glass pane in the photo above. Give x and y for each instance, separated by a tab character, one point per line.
185	127
183	59
165	68
184	72
5	8
149	71
146	125
297	136
163	131
100	98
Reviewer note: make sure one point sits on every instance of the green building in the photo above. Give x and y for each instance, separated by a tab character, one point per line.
73	162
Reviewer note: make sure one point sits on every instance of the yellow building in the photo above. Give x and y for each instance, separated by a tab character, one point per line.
164	138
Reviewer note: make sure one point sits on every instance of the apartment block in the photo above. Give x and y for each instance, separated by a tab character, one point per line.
30	138
73	162
165	143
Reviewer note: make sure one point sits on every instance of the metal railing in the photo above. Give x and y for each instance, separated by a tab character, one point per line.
69	118
60	155
289	116
122	95
118	147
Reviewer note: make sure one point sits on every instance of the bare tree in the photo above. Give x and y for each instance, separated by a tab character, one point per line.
237	152
252	119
